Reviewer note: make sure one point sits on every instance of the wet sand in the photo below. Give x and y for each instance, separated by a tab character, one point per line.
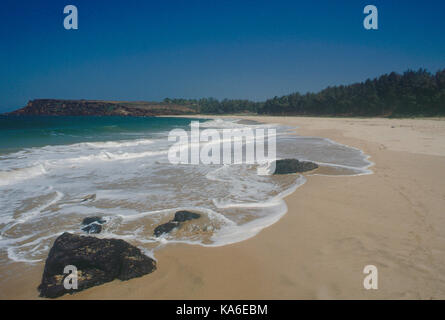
335	226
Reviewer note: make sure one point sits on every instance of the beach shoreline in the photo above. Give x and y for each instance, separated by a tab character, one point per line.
333	228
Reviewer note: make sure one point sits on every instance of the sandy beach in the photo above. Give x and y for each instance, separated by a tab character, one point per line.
335	226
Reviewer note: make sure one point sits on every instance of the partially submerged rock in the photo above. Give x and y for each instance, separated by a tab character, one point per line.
97	261
165	228
93	224
89	220
180	217
286	166
92	228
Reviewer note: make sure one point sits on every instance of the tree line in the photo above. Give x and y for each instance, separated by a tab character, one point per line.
413	93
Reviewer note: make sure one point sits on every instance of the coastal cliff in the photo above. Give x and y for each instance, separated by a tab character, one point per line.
55	107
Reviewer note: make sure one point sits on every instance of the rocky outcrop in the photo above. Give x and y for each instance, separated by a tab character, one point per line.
97	261
89	220
165	228
92	228
92	224
286	166
54	107
180	217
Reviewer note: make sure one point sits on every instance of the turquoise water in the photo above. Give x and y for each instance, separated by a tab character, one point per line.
17	132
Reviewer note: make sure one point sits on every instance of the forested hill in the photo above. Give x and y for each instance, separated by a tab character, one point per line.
58	107
415	93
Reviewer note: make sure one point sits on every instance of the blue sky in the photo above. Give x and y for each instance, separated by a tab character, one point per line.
149	50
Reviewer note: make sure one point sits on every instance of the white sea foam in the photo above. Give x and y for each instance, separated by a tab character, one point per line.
110	156
222	124
20	257
19	174
272	202
238	233
118	144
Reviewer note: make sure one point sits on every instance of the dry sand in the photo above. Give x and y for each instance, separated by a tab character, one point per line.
335	226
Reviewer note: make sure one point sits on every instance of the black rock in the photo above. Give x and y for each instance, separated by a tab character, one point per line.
286	166
165	228
92	228
89	220
97	261
182	216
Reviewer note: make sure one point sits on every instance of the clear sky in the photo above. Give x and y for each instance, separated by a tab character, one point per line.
149	50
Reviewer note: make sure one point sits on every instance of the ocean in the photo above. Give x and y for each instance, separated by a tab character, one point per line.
55	171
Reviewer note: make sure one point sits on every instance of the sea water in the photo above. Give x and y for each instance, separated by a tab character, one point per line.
55	171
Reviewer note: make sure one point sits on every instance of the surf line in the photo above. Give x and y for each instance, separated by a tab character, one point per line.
210	151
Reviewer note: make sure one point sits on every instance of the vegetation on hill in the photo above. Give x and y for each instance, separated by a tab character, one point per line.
414	93
215	106
58	107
